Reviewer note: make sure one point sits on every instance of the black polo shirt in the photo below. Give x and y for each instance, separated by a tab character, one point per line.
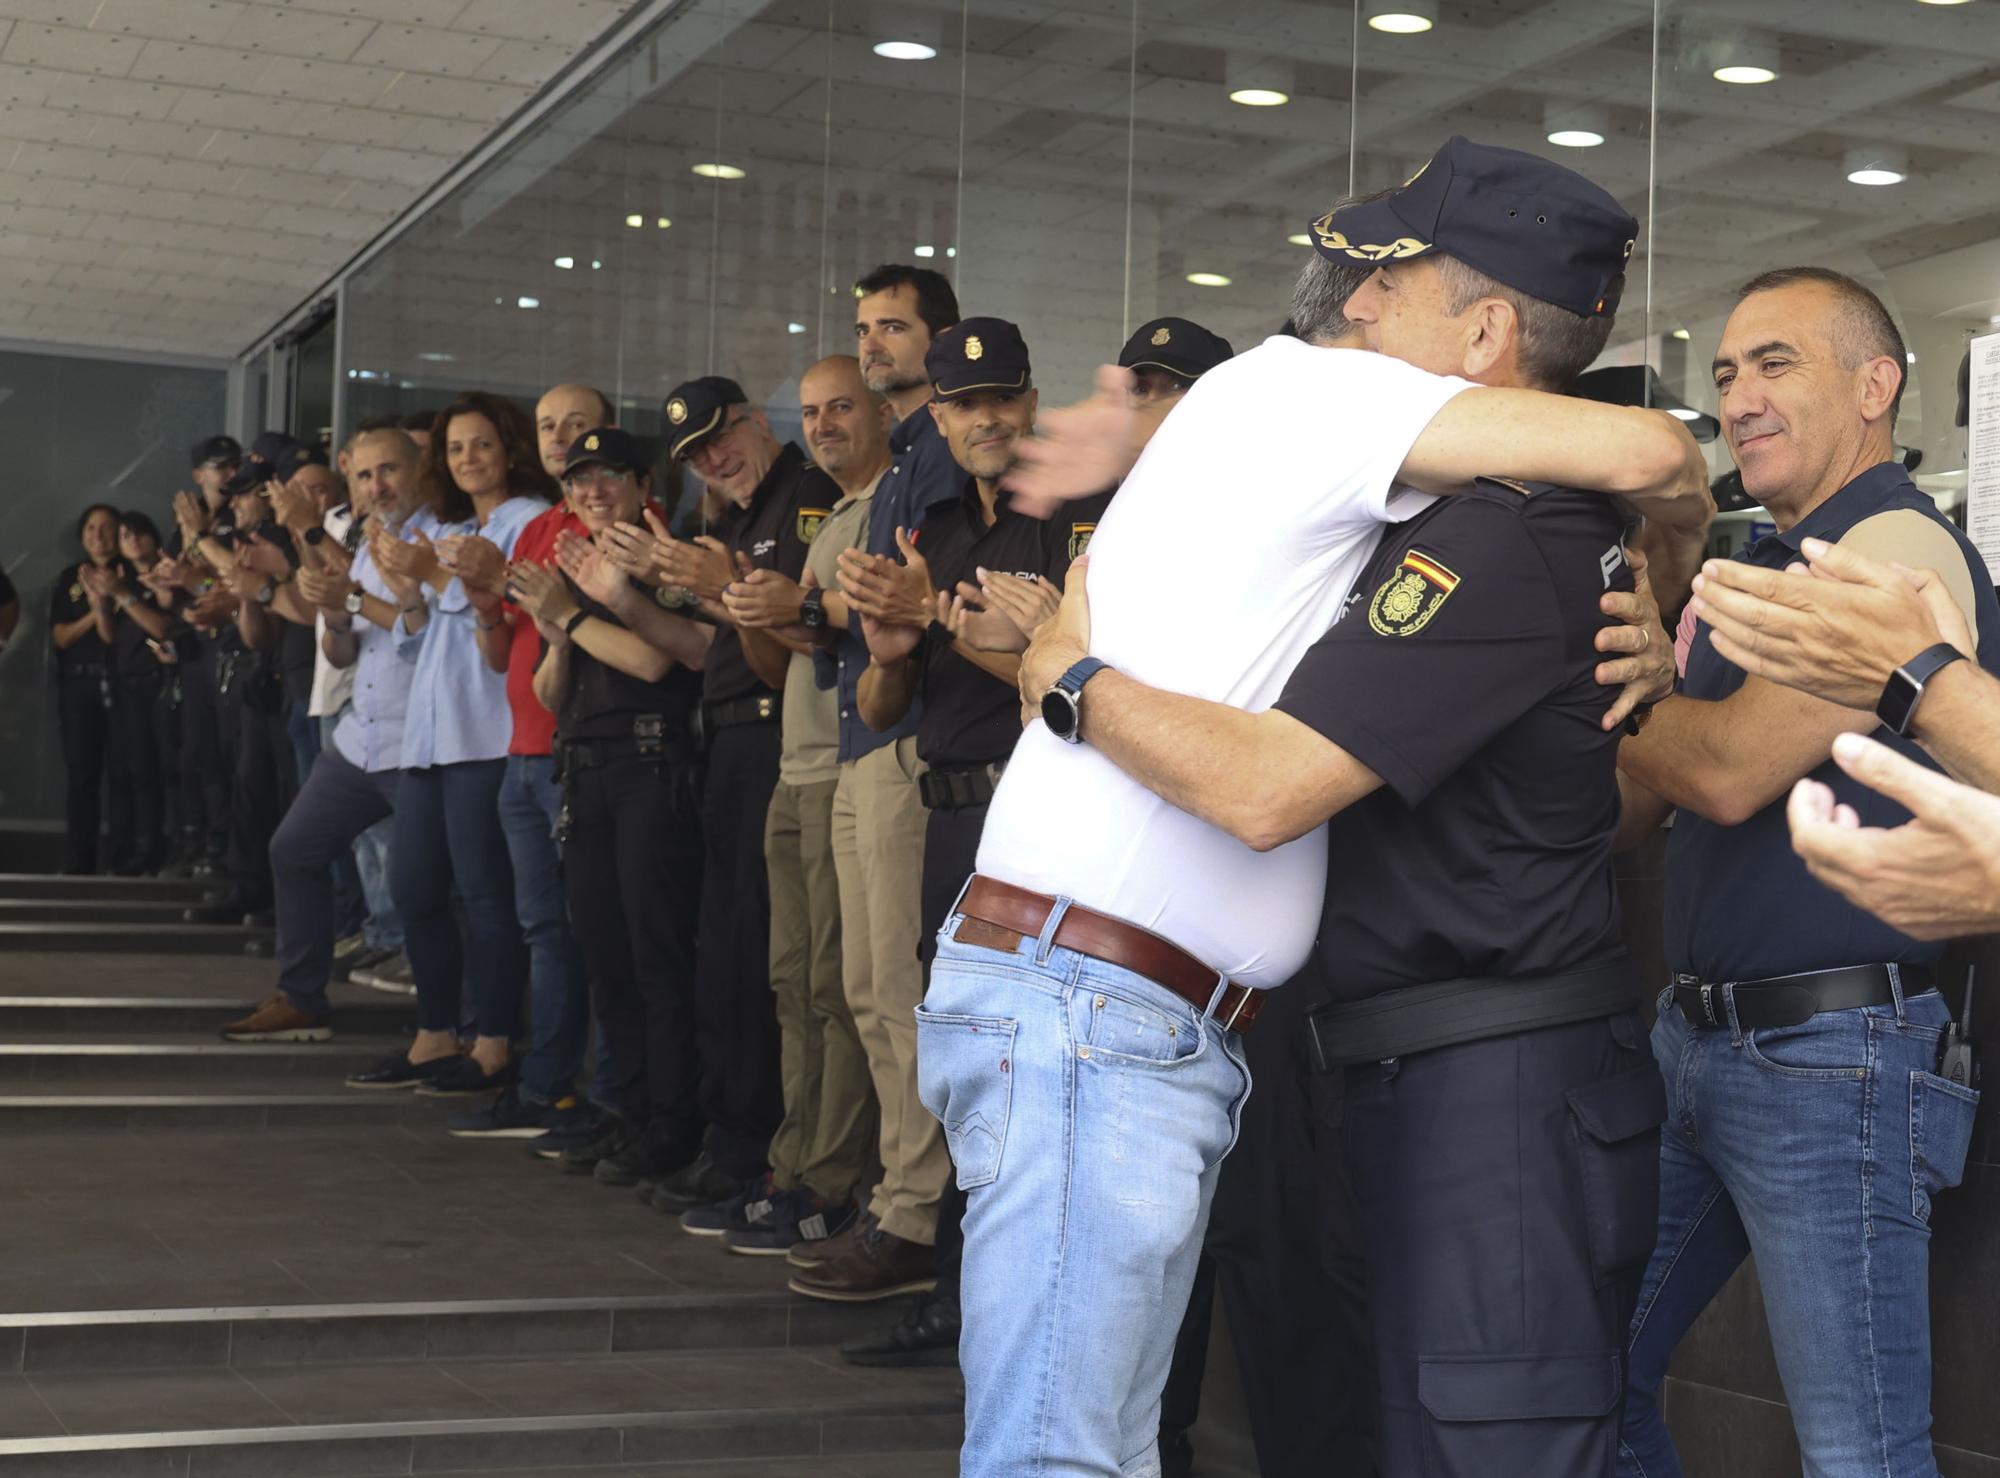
69	601
970	717
774	531
602	702
1740	904
1462	673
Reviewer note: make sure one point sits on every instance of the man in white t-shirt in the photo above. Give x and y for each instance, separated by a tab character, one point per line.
1078	1040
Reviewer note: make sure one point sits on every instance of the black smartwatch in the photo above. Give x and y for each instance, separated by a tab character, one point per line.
1905	688
1062	705
812	609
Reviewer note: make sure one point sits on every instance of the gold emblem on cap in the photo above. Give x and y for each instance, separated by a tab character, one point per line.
973	348
590	442
1362	251
1161	335
677	410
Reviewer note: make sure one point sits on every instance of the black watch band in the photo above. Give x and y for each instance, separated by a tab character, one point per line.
1897	708
812	609
576	620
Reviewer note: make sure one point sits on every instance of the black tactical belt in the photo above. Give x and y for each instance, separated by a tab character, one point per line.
955	790
1422	1018
761	708
1788	1000
652	739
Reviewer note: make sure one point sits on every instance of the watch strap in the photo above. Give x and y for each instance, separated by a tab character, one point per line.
1901	694
1081	671
570	626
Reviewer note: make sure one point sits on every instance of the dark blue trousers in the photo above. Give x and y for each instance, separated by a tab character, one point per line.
337	803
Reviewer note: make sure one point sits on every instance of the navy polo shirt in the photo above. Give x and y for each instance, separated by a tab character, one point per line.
1740	904
921	473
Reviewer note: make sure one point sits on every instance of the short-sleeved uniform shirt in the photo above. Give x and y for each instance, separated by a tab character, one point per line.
971	717
601	702
1740	904
773	530
1462	673
69	601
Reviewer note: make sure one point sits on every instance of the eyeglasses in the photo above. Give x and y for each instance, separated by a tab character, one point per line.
607	478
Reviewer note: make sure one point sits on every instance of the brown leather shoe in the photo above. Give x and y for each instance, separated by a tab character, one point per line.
825	1249
278	1020
878	1265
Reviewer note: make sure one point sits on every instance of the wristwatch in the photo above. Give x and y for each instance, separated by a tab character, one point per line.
1062	705
576	619
352	605
812	609
1905	688
267	593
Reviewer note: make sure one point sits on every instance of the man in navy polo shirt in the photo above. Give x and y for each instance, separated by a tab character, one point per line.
1800	1037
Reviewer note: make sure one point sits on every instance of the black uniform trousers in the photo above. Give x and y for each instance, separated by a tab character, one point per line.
632	872
1284	1253
951	849
736	1015
1509	1193
266	779
138	775
85	723
205	782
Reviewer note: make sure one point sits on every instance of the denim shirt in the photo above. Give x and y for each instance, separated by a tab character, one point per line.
458	705
921	473
1740	904
370	734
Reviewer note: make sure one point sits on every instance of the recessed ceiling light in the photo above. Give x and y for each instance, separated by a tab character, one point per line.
1575	125
1873	166
1402	17
1260	97
662	222
1684	413
718	171
434	356
595	265
527	302
1576	138
924	251
1682	334
1208	279
566	262
635	220
1745	76
1940	2
905	51
1299	238
1911	355
795	328
1744	60
951	251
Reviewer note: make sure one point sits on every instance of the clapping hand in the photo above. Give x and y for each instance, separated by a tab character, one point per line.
635	550
595	574
896	594
476	561
540	592
700	565
967	616
1026	601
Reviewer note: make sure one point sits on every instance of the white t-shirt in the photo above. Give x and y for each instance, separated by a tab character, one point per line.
332	686
1226	554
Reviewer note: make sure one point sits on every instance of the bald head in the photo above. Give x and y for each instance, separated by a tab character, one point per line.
563	414
846	424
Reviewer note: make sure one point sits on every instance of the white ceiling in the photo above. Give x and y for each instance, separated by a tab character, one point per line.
177	174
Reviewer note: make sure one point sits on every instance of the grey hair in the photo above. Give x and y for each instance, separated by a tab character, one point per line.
1319	297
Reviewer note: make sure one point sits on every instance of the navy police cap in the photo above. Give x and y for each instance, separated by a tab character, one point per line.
1176	346
215	449
271	445
978	355
296	457
1538	227
607	447
695	410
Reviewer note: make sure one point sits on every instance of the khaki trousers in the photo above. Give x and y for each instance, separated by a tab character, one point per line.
827	1139
878	853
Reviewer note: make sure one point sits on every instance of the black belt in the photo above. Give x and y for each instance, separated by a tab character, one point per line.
761	708
955	790
653	737
1788	1000
1422	1018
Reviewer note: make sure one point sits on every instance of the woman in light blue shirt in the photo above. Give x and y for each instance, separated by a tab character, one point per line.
483	475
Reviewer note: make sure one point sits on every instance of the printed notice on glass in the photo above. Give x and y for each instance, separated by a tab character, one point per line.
1982	462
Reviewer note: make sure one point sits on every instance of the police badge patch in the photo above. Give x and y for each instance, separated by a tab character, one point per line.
809	521
1079	539
1410	597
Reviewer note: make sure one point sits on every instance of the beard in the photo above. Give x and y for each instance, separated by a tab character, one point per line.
886	379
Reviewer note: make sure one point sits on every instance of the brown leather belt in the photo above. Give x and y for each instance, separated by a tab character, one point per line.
1009	914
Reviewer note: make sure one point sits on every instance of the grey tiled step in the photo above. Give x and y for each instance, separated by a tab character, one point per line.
53	885
93	910
144	1099
196	1059
472	1416
356	1012
942	1464
434	1331
219	939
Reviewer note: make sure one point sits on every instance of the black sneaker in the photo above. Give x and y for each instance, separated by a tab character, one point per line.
789	1218
399	1072
697	1183
581	1159
467	1079
368	957
639	1158
229	909
927	1335
731	1213
510	1116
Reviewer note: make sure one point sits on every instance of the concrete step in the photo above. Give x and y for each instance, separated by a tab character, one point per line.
95	910
478	1416
154	939
149	1098
104	889
356	1011
190	1057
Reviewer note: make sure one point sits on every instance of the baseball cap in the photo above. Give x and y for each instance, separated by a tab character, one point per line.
977	354
694	412
1175	345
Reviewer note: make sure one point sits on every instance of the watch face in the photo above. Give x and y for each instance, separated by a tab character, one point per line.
1059	712
353	602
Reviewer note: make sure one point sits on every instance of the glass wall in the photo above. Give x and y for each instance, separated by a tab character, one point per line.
77	431
704	202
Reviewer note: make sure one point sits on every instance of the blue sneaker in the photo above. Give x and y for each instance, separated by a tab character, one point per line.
787	1219
731	1213
510	1116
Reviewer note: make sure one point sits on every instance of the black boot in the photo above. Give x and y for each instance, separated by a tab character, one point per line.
926	1335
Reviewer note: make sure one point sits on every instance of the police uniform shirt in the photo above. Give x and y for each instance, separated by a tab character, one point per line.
970	717
773	531
1740	904
601	702
1462	673
69	601
130	656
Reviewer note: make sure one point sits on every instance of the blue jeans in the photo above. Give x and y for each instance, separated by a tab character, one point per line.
335	804
448	835
530	801
1088	1111
1815	1148
311	737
